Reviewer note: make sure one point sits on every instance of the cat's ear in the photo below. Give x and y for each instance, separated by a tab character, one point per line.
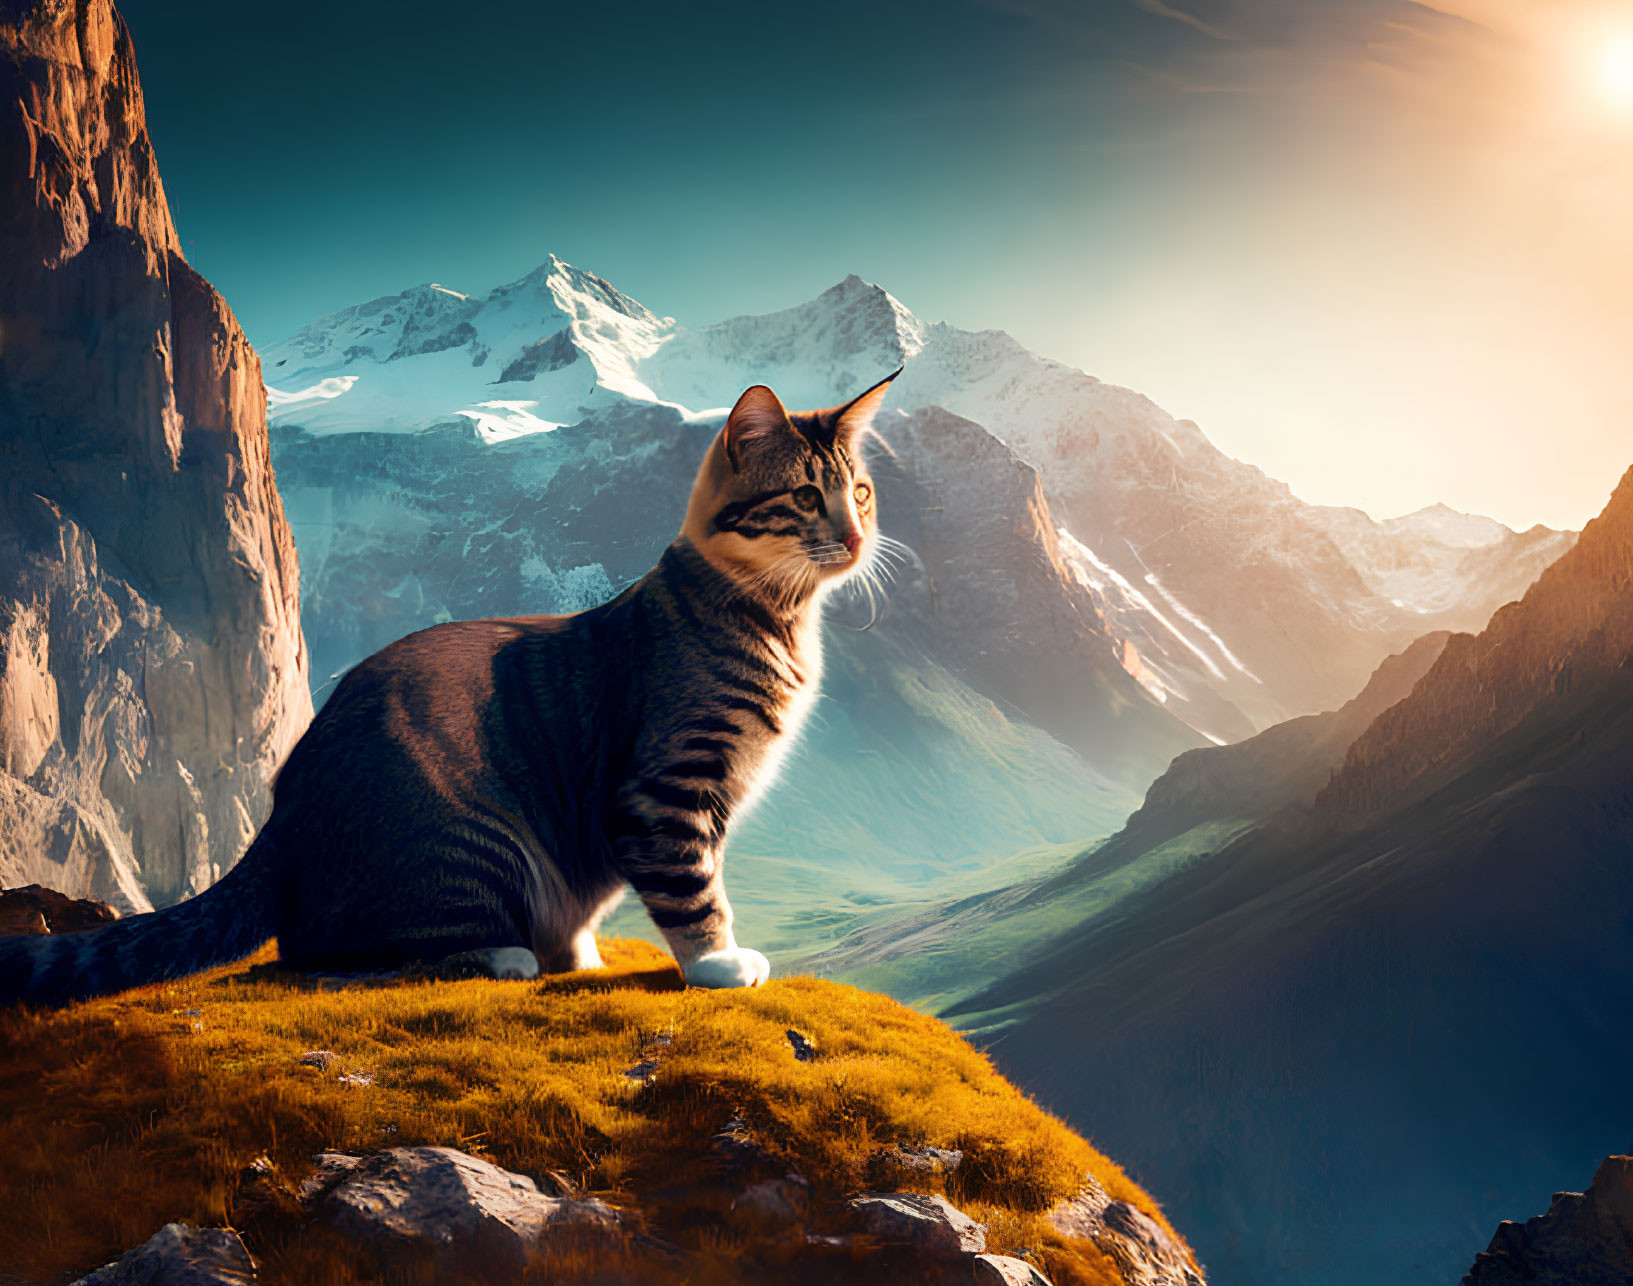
758	415
856	416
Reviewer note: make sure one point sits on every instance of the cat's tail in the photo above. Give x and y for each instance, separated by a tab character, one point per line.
228	920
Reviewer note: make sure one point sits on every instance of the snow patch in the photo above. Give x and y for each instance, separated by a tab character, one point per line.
322	391
502	421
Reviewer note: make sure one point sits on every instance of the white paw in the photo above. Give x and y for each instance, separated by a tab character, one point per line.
733	967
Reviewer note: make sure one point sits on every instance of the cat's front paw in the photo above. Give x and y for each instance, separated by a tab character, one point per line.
733	967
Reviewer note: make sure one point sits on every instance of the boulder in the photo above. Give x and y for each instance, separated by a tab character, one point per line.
460	1212
180	1255
777	1200
929	1223
1004	1270
1143	1250
1585	1238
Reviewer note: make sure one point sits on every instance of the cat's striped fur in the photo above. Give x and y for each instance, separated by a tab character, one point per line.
482	791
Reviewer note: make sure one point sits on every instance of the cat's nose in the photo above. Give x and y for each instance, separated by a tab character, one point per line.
853	542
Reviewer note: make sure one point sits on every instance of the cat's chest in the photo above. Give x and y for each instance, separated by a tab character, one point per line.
767	723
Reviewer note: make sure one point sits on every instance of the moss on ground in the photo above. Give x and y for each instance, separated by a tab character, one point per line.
128	1112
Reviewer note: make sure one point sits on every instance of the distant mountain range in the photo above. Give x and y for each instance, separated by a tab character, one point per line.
1231	602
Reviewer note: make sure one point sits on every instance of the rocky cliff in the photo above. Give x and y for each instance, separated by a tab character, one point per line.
152	672
1584	1238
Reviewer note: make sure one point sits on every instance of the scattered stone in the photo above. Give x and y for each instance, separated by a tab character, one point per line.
1143	1250
35	909
1585	1239
927	1222
775	1199
463	1213
644	1072
804	1050
921	1159
736	1146
826	1239
180	1255
320	1058
356	1078
1005	1270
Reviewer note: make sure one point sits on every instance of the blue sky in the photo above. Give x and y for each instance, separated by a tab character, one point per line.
1317	228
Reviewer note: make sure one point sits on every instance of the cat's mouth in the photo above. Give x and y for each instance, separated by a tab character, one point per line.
827	553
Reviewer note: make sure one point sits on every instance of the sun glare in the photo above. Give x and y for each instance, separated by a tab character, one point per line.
1616	72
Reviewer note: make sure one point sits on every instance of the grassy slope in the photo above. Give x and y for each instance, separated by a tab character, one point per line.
125	1113
937	955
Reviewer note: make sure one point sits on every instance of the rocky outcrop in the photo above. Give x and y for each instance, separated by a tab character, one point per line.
152	672
1572	628
1144	1251
927	1222
458	1212
1585	1239
180	1255
37	909
1006	1270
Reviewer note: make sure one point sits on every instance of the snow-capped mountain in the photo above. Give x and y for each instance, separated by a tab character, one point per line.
527	357
1226	597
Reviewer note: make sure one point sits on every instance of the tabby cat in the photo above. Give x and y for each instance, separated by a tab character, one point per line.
477	796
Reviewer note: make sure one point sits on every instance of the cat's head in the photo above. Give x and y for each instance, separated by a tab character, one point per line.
784	499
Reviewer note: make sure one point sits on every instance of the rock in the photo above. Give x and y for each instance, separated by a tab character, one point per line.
804	1050
180	1255
262	1197
736	1145
644	1072
152	670
1142	1249
920	1159
1585	1239
37	909
332	1167
323	1059
926	1222
1004	1270
775	1199
459	1211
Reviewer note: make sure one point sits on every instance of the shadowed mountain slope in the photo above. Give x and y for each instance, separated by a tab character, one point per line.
1348	1042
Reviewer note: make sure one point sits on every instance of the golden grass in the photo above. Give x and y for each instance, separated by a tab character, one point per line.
125	1113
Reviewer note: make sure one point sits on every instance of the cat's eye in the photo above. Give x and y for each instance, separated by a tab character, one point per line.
863	494
807	498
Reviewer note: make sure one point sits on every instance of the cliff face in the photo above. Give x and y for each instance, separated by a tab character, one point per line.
993	588
152	672
1572	628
